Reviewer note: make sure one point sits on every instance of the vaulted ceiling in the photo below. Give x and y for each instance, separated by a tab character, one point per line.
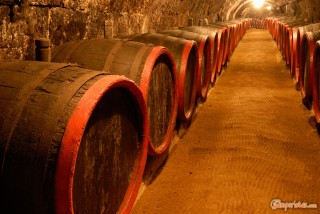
232	9
236	8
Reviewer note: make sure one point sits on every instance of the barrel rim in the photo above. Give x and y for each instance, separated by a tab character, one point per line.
215	43
316	106
185	114
204	50
308	40
144	87
214	64
221	39
293	65
204	45
71	140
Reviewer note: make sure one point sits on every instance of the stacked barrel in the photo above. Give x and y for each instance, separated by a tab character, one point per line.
298	42
75	132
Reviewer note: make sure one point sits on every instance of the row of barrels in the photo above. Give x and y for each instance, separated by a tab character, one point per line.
299	40
75	132
259	23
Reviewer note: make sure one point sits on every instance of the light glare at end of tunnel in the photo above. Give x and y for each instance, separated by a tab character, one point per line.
258	3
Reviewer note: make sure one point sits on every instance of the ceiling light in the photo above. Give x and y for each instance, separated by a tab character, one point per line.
258	3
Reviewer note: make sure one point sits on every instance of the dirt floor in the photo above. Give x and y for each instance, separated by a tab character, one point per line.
252	141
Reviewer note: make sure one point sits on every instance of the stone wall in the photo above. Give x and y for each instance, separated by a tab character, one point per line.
72	20
309	9
21	21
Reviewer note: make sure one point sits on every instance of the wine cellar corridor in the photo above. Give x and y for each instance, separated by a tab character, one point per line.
251	142
159	106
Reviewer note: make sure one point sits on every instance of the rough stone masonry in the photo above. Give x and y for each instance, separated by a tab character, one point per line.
22	21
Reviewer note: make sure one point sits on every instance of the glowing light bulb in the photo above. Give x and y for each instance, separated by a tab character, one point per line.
269	7
258	3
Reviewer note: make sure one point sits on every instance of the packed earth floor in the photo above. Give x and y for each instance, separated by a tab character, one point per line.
251	142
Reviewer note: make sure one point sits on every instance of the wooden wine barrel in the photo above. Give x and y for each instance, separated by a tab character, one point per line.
283	35
225	32
72	140
294	52
245	25
293	64
237	33
228	27
239	29
274	27
213	33
259	23
316	89
269	25
151	67
204	51
222	36
248	23
235	37
280	29
185	53
235	30
301	31
288	39
307	76
254	23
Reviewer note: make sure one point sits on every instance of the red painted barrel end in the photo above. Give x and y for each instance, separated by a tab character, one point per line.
316	88
188	80
160	65
68	193
306	69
